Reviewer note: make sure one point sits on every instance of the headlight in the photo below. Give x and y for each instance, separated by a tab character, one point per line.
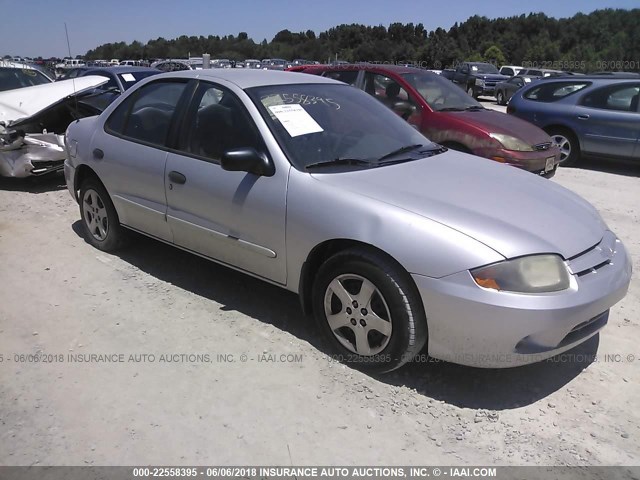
533	274
511	143
479	82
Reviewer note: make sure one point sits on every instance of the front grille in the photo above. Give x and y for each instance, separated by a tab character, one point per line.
542	146
585	329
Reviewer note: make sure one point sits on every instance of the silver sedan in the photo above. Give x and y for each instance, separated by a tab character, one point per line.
393	242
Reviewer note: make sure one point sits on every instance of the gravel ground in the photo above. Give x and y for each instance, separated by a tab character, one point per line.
286	403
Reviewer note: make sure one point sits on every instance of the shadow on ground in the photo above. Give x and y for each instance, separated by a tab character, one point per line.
494	389
609	166
46	183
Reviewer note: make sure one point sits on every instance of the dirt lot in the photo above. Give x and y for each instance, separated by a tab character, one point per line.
285	402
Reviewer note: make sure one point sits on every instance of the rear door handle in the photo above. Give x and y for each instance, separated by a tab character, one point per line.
97	153
583	117
177	177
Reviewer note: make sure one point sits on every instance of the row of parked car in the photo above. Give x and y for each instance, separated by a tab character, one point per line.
173	65
393	241
592	115
555	116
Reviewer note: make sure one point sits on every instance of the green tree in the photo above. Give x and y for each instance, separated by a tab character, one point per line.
494	55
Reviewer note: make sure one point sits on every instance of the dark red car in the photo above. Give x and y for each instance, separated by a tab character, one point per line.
447	115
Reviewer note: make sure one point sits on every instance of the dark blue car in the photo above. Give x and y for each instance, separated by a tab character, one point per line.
120	80
595	115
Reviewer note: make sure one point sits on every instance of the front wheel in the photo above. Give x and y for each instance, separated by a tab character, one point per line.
370	310
500	98
568	144
99	218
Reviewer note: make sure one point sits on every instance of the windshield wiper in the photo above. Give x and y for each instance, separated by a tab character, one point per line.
405	149
474	108
450	109
338	161
423	154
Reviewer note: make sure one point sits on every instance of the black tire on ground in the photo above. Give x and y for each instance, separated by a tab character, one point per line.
369	310
99	218
472	92
500	98
568	143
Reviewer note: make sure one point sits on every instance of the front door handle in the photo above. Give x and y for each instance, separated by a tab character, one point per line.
97	153
583	117
177	177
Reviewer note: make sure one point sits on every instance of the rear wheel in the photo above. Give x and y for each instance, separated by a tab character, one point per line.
568	144
99	218
369	310
500	98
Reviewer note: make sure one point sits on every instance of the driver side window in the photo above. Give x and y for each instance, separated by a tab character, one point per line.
216	122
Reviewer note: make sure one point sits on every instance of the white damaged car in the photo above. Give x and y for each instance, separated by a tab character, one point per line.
33	121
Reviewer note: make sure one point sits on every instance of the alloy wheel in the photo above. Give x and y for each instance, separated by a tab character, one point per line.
95	215
358	314
564	144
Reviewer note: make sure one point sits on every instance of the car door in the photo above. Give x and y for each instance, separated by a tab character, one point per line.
236	218
609	121
130	155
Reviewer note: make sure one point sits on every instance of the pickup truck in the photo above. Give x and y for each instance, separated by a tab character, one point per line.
478	79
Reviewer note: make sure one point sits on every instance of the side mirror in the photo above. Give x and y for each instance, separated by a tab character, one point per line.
404	109
247	160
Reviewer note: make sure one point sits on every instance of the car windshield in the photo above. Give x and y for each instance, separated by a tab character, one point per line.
484	68
439	93
319	124
11	78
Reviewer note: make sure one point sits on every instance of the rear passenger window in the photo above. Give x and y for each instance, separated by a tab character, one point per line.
553	91
146	115
623	98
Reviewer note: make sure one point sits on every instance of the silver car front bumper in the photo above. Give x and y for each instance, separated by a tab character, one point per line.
480	327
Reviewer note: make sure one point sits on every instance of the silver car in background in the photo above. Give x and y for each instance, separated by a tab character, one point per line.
393	242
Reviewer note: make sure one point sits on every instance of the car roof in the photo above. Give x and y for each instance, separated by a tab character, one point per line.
247	78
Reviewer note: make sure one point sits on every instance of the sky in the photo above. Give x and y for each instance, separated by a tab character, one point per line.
32	28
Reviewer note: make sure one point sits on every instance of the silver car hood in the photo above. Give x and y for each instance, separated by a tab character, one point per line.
511	211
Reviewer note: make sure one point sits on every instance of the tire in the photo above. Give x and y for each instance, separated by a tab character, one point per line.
569	146
500	98
391	327
471	92
100	221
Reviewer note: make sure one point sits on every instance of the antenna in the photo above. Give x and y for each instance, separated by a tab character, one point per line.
73	80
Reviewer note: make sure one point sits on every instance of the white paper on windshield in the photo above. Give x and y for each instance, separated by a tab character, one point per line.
295	119
128	77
